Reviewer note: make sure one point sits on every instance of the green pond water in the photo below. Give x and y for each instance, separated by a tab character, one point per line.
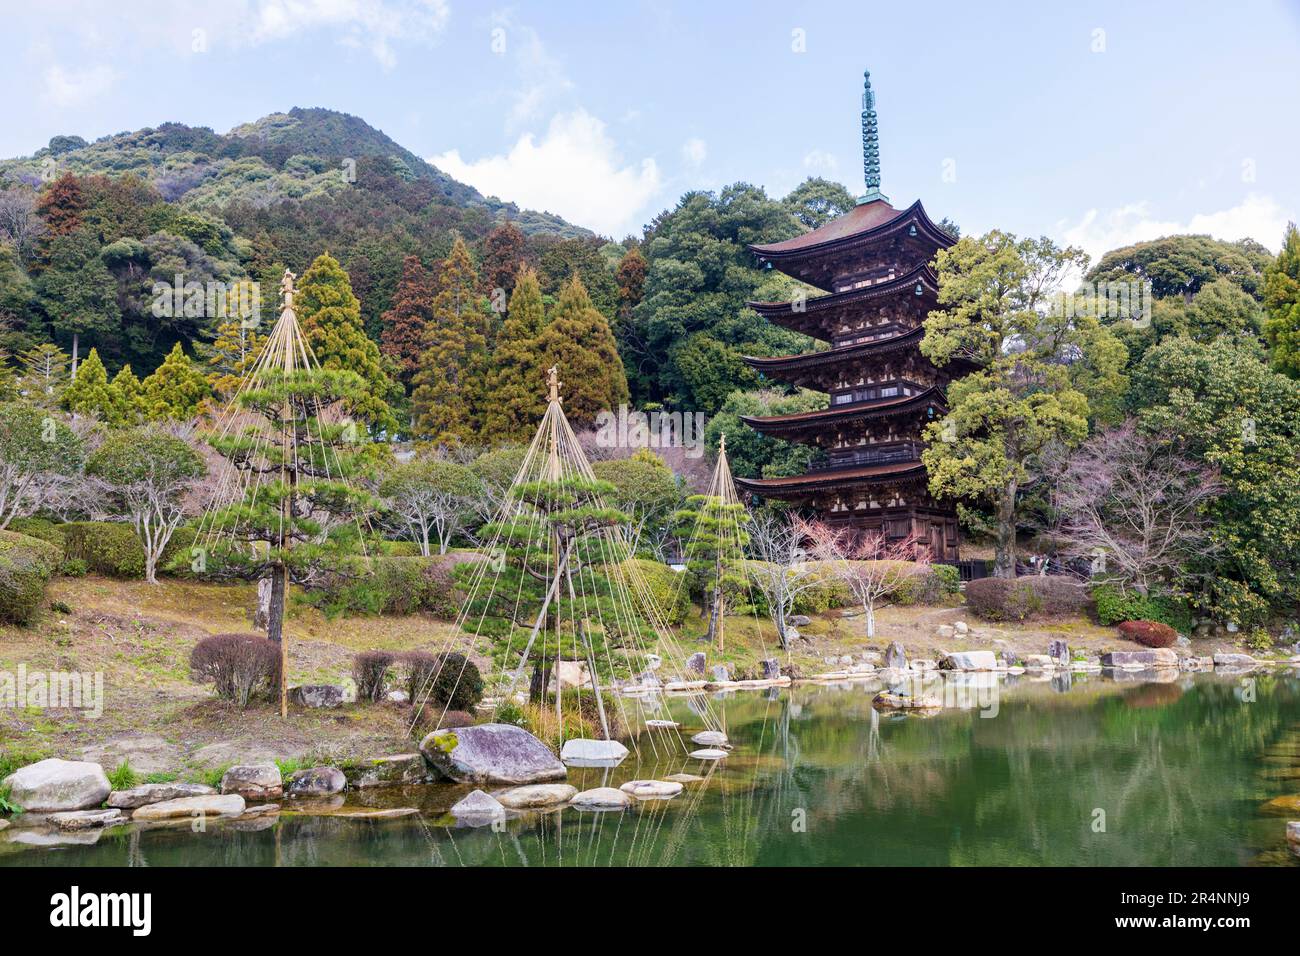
1011	772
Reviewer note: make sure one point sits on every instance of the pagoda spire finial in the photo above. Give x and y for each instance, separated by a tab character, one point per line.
870	143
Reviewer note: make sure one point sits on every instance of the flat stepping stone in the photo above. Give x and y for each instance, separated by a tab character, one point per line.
601	798
367	814
580	752
684	778
679	685
667	724
218	805
536	795
156	793
652	789
261	810
85	819
708	753
709	738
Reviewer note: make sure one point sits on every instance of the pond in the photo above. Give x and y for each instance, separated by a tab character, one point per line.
1084	772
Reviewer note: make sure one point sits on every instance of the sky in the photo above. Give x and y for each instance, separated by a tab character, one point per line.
1094	123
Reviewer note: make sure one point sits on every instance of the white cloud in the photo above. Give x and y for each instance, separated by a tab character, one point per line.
1258	217
695	151
71	88
574	170
540	76
821	162
364	24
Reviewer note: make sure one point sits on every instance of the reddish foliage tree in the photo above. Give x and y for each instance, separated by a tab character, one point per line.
402	338
503	254
61	205
1133	504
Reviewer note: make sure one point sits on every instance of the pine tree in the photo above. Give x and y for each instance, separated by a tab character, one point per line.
331	323
449	394
44	372
406	322
176	389
578	340
230	356
516	395
1282	300
90	393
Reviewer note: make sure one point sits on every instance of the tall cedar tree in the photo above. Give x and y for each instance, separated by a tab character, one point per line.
232	355
90	392
631	282
503	256
516	385
579	341
450	383
61	206
405	324
331	323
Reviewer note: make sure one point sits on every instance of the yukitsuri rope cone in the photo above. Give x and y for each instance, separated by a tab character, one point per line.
285	487
557	584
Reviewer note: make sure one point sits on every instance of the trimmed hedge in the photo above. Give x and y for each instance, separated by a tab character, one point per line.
26	565
113	549
42	528
1149	633
937	585
1115	606
451	680
1020	599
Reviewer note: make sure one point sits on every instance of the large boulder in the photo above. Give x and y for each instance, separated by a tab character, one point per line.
398	770
771	668
1154	657
255	782
1059	651
214	805
491	753
1222	659
970	661
156	793
695	663
318	695
318	781
54	785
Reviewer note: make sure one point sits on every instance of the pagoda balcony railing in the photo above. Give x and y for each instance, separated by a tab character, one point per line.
899	452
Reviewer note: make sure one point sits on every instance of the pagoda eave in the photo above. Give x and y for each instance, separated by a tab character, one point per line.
803	422
830	479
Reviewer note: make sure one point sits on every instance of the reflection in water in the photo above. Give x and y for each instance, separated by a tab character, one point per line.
1011	772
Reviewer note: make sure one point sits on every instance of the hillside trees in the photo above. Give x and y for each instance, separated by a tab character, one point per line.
1282	300
407	321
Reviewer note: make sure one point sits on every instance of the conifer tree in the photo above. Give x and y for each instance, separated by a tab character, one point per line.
503	256
516	395
90	392
449	394
8	378
44	372
61	206
128	397
331	323
77	291
578	340
406	322
176	389
231	354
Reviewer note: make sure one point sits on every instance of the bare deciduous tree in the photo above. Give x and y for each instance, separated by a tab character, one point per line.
868	563
782	571
20	226
1134	505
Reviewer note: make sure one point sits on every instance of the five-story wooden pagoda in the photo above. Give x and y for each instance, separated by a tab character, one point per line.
874	263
